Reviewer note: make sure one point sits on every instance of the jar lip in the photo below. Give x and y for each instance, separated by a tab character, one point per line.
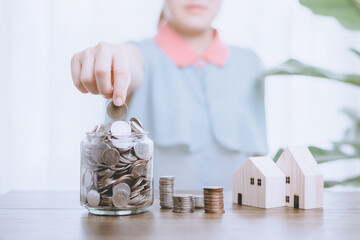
101	134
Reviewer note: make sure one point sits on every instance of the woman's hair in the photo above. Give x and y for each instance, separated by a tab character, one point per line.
161	17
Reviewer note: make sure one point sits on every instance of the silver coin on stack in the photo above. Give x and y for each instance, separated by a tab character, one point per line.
199	201
183	203
166	190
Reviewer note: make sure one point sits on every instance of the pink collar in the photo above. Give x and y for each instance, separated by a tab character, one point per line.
180	52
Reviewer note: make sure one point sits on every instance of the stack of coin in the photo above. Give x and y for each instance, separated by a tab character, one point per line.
213	199
199	201
116	165
166	187
183	203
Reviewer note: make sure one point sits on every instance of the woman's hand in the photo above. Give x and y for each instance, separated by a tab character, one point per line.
111	70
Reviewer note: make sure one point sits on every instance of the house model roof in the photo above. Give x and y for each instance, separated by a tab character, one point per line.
266	166
304	159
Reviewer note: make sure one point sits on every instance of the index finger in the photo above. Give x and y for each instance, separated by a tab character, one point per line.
121	76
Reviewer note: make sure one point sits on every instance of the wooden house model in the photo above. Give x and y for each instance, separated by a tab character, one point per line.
304	180
295	181
259	182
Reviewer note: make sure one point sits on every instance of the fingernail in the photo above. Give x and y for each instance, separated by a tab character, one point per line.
118	101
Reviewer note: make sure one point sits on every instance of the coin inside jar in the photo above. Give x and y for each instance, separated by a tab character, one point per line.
111	157
136	127
120	128
98	150
142	150
93	198
122	145
122	187
120	199
83	193
88	178
116	112
134	119
138	168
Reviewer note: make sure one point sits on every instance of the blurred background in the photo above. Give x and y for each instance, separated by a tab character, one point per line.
44	118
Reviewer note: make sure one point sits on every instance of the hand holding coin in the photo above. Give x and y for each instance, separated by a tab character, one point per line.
112	70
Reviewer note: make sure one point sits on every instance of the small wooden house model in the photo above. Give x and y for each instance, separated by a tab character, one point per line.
304	180
259	182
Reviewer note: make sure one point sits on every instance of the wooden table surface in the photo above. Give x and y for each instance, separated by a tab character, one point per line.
58	215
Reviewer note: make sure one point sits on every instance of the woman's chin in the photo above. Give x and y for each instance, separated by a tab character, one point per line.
196	26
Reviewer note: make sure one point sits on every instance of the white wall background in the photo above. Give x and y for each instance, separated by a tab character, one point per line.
44	118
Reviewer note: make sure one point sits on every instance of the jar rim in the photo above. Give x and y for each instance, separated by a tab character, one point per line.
101	134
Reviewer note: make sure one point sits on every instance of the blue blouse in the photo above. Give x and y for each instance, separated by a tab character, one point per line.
187	105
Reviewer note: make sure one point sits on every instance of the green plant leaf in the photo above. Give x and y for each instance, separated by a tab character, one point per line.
352	133
278	154
356	52
347	12
354	181
294	67
323	155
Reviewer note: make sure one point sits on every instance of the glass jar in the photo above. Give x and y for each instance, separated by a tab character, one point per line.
116	173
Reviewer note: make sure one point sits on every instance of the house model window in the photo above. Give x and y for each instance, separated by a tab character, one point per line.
287	199
259	182
252	181
288	180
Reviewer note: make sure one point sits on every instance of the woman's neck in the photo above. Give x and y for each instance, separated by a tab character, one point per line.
199	41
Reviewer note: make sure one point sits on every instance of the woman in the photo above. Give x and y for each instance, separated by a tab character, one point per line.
201	101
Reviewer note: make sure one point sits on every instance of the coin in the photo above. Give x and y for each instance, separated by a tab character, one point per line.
95	181
120	128
142	150
97	127
140	199
111	157
98	150
104	173
122	145
120	199
129	155
137	121
138	168
93	198
83	193
106	201
137	182
213	188
124	179
88	178
122	187
199	201
135	127
116	112
105	128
